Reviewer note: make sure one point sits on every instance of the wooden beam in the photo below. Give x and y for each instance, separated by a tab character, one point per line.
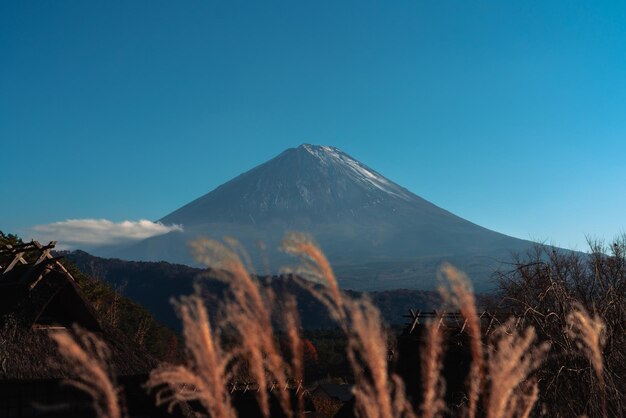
63	269
416	320
8	248
44	255
44	267
17	259
33	284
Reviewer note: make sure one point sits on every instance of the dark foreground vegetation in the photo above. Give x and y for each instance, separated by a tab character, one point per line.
560	354
544	288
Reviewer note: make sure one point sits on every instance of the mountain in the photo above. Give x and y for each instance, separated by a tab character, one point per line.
377	234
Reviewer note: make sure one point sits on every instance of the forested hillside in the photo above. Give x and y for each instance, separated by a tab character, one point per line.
153	285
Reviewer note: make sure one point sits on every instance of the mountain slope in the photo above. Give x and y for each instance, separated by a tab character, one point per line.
359	217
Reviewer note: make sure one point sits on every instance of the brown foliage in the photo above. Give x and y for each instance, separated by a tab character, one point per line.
553	290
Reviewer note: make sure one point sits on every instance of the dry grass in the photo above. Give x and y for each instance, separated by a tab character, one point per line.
249	315
291	320
205	377
87	355
433	384
512	358
377	394
457	291
501	374
315	266
527	399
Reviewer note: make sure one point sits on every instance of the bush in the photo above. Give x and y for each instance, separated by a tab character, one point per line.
543	287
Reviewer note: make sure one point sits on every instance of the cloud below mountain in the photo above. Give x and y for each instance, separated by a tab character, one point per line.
85	233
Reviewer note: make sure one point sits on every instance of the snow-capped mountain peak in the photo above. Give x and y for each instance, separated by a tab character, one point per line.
307	182
358	171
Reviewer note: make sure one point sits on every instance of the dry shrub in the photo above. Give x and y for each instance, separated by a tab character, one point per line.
88	356
588	333
552	290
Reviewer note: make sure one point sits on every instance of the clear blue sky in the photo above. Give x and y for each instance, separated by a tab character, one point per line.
509	114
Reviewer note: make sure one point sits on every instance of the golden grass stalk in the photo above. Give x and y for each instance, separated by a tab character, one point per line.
528	400
401	405
512	358
249	313
206	376
316	265
292	326
367	352
588	333
88	357
377	394
459	294
433	384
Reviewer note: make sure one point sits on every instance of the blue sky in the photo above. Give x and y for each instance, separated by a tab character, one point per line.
509	114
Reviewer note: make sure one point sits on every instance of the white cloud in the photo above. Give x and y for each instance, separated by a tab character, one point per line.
85	233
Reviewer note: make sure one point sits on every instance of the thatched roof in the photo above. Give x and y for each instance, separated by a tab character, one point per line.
27	354
43	295
36	289
38	296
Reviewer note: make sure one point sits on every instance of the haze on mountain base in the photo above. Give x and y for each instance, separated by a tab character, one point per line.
377	234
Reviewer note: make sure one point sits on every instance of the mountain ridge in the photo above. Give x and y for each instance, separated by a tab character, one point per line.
155	285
